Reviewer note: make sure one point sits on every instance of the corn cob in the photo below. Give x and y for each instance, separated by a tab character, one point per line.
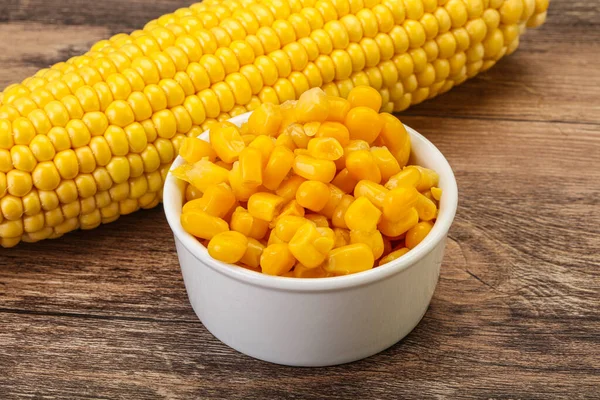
90	139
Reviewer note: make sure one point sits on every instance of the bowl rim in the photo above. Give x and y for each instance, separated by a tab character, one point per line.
438	233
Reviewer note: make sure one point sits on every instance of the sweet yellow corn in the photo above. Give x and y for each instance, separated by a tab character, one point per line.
229	246
311	245
362	215
276	259
417	233
201	224
102	128
264	206
242	221
251	257
350	259
313	195
394	255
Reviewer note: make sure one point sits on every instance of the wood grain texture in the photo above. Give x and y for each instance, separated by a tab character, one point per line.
516	315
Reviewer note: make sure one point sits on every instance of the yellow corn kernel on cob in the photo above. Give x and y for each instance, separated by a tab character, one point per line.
92	138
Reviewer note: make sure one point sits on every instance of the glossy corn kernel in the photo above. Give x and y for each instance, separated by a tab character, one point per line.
312	106
386	162
311	245
217	200
314	169
362	215
397	228
363	123
193	150
365	96
202	224
334	130
252	255
201	174
313	195
372	191
397	202
350	259
361	164
345	181
228	246
436	193
426	208
372	239
251	166
227	142
338	109
338	219
277	259
242	221
408	177
301	271
264	206
428	178
417	233
265	120
325	148
264	144
394	255
287	226
279	165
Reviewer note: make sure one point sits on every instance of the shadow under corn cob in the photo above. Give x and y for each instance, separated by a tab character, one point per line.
90	139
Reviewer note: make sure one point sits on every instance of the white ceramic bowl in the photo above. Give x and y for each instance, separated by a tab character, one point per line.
315	322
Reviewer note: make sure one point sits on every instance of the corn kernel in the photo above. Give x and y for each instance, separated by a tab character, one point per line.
312	106
398	202
363	123
242	191
387	163
202	224
325	148
426	208
342	237
374	192
277	259
314	169
338	218
436	193
311	246
334	198
350	259
334	130
372	239
394	255
201	174
279	164
338	109
362	215
397	228
242	221
227	142
301	271
428	178
287	226
365	96
264	206
252	255
251	166
361	165
265	120
228	246
313	195
408	177
193	150
319	220
417	233
265	144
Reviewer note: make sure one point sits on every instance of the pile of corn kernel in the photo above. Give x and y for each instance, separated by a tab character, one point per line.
313	188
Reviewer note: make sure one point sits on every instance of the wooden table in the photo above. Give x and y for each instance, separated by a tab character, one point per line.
104	314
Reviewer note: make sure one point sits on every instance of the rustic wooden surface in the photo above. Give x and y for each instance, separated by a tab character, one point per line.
104	314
